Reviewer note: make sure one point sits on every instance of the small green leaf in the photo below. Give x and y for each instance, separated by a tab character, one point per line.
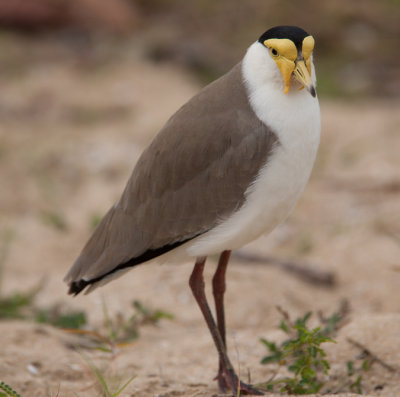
313	351
366	365
350	368
8	391
325	365
124	386
54	219
283	326
271	345
356	386
270	359
68	320
307	373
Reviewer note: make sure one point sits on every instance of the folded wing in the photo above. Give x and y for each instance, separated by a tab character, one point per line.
193	175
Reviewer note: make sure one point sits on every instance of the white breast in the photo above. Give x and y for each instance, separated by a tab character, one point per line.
295	119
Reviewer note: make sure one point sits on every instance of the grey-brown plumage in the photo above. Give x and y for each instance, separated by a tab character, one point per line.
194	174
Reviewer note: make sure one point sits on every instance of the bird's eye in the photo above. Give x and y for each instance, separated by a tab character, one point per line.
274	52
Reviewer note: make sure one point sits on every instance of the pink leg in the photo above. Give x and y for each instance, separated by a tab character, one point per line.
219	288
228	377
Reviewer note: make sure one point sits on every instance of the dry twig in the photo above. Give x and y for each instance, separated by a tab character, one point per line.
374	358
304	272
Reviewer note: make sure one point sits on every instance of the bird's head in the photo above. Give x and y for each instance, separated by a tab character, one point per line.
291	49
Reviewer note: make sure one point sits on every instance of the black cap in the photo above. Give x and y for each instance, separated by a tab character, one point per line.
293	33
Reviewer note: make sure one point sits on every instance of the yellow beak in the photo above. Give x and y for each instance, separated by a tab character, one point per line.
303	77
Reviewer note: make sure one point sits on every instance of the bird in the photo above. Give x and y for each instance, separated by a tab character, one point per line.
227	167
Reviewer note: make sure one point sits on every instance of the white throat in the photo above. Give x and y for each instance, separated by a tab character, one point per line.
282	112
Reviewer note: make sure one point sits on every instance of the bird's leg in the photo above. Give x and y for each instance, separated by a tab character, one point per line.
231	380
197	285
219	287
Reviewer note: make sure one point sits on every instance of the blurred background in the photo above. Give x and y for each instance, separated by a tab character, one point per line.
86	84
356	49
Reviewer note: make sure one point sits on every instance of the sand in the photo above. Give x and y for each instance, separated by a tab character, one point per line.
69	137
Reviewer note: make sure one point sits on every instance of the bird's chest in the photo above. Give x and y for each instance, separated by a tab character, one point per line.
280	182
296	122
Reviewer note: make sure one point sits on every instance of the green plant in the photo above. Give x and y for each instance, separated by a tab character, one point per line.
363	362
337	320
119	330
109	386
18	305
54	219
146	315
61	318
116	332
304	359
356	386
6	390
301	354
21	305
122	329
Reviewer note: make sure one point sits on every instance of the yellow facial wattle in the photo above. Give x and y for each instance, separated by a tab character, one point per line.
307	49
290	62
284	53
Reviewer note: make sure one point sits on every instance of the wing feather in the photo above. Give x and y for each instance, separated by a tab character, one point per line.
193	175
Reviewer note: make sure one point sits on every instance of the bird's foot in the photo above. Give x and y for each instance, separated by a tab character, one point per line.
228	380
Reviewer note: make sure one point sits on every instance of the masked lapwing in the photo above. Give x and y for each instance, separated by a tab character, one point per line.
228	166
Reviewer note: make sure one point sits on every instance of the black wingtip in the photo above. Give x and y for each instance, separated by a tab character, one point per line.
77	286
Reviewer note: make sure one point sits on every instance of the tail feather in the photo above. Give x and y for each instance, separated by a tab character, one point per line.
77	286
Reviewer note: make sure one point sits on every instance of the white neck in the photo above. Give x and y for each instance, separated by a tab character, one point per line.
283	113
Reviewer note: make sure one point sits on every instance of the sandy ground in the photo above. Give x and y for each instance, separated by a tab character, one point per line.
69	137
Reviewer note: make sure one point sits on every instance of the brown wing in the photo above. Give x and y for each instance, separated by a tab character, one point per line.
193	175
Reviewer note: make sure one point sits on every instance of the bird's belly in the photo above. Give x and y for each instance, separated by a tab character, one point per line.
269	200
